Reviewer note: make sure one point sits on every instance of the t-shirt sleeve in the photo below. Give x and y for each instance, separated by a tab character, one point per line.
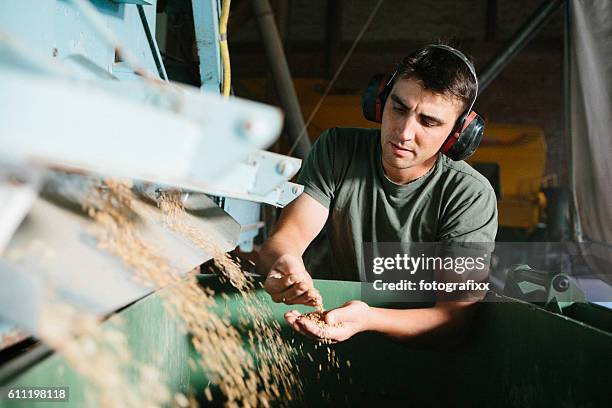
317	173
473	220
468	232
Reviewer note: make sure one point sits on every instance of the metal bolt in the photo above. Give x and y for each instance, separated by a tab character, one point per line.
561	283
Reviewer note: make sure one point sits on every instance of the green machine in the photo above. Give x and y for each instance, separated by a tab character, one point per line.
516	354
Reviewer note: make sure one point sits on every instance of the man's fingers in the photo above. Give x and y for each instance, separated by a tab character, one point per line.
317	299
313	301
293	317
280	284
311	328
296	290
310	297
276	285
295	320
275	275
285	288
337	333
302	299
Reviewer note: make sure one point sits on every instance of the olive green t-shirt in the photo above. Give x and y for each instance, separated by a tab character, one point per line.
343	171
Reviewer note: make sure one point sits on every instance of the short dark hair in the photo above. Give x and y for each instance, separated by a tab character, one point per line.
441	72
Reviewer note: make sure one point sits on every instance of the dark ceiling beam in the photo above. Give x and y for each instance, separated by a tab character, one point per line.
518	41
241	14
281	14
491	20
283	82
333	35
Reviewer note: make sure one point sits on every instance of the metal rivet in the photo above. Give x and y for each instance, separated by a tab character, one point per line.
561	283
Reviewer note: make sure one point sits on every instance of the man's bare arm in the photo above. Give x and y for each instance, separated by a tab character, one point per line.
300	222
280	259
441	324
444	320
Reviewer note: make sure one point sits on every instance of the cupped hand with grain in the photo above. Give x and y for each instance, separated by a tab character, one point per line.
288	282
334	325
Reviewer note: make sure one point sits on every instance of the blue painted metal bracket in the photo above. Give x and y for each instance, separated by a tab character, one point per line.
261	178
138	2
55	251
186	160
18	189
206	25
80	28
167	134
152	44
20	297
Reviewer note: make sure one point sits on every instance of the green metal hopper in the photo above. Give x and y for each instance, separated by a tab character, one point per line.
515	355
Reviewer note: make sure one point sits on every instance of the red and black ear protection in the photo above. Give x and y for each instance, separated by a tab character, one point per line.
467	133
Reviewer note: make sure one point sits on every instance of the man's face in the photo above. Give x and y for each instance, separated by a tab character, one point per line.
415	124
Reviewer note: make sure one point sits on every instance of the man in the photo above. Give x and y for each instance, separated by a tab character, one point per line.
391	185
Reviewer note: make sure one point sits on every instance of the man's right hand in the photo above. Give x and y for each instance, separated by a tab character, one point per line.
289	283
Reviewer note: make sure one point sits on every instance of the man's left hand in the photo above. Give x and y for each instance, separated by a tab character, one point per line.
342	323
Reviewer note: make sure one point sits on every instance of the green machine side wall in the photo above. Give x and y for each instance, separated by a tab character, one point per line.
515	355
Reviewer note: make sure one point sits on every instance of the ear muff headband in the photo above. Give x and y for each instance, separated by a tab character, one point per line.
467	62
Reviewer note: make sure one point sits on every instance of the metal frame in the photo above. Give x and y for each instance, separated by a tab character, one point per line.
281	75
63	107
576	228
520	39
260	178
93	127
152	44
206	25
138	2
55	250
18	190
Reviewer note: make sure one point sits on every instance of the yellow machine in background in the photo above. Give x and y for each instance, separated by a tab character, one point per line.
511	156
519	152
